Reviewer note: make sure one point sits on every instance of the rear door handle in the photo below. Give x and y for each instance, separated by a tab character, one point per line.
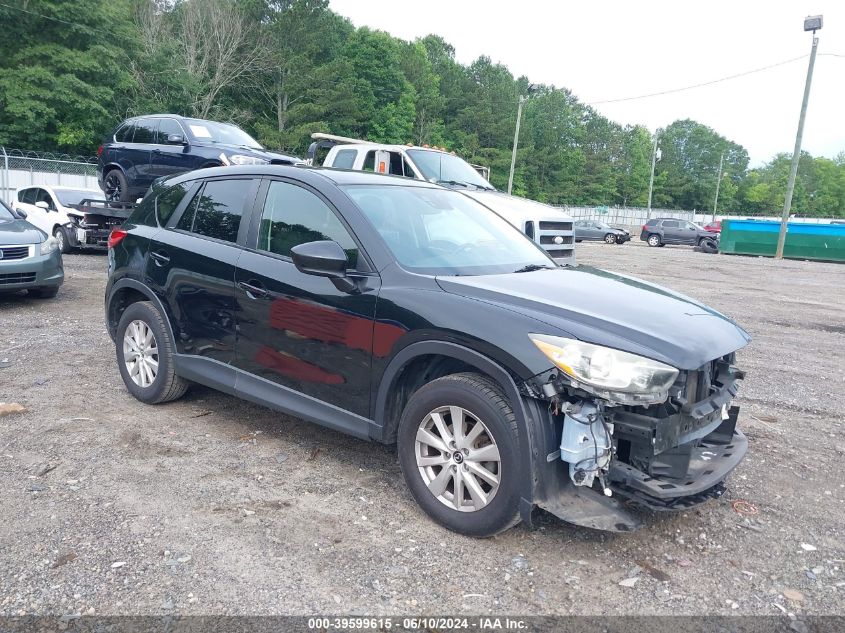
161	259
255	292
156	151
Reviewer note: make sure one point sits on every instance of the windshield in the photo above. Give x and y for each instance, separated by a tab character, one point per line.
445	168
6	212
68	197
221	134
441	232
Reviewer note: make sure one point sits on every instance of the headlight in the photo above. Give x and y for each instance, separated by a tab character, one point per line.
240	159
607	372
49	245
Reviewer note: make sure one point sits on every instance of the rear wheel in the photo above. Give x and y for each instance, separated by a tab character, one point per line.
145	355
654	240
458	452
60	233
115	187
610	238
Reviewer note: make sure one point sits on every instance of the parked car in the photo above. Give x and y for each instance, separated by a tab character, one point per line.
662	231
56	211
594	230
714	227
548	226
402	312
142	149
29	258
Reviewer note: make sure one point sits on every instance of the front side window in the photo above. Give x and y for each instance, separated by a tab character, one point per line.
167	127
345	159
217	209
293	215
441	232
6	213
670	224
43	196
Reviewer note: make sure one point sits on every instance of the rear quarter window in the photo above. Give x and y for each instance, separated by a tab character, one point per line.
345	159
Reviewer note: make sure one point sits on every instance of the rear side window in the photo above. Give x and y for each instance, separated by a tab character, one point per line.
145	131
293	215
651	223
345	159
670	224
167	202
217	209
124	134
27	196
370	161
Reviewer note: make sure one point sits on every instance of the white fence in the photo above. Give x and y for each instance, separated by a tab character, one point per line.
22	169
637	216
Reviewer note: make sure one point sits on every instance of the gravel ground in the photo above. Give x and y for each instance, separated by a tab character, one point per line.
210	505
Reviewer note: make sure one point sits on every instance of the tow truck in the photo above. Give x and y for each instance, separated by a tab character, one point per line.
549	227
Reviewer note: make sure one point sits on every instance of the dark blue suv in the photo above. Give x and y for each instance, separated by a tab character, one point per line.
143	149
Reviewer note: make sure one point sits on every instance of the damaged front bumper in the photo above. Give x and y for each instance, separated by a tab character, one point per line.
671	457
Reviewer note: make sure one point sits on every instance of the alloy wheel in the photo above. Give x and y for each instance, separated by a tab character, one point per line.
458	458
60	238
610	238
140	353
113	188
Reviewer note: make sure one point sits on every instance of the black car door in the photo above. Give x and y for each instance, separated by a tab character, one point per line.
300	331
167	159
191	264
138	153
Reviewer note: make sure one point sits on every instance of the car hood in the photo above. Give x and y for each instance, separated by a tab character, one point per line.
610	309
19	232
259	153
513	207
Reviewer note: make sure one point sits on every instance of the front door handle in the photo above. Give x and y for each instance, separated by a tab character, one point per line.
255	292
161	259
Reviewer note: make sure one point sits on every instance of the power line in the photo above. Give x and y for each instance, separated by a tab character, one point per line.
701	85
46	17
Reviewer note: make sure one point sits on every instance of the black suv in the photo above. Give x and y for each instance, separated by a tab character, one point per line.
146	148
402	312
662	231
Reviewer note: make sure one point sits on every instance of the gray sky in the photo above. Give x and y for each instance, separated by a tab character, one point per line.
613	49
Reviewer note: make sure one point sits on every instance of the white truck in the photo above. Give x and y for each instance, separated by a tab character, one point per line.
551	228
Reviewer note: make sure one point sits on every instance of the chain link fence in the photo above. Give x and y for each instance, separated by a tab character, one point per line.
20	168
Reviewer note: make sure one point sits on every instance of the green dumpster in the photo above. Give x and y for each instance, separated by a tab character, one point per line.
824	242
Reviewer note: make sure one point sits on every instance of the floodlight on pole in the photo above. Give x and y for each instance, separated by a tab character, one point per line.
811	23
532	88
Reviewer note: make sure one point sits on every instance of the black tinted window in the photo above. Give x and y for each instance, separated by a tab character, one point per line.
124	134
293	215
166	127
370	161
145	131
27	196
43	196
345	159
167	202
216	212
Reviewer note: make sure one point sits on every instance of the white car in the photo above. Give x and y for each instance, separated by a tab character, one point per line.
55	210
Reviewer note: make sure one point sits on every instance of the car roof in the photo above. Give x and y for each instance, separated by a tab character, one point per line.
337	176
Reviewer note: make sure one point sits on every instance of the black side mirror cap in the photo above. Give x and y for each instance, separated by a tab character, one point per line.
324	258
176	139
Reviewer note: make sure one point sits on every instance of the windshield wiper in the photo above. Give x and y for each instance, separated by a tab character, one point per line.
464	184
530	268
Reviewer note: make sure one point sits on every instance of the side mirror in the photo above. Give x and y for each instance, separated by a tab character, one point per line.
176	139
323	259
42	205
21	213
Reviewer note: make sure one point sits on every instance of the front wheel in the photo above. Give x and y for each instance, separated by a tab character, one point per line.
60	233
458	452
654	240
610	238
145	355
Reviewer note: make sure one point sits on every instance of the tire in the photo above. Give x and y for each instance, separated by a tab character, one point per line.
165	385
115	187
709	246
44	293
620	241
654	240
610	238
60	233
487	509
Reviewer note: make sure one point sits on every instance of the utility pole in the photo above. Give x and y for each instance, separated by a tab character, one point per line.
651	179
811	23
522	100
718	184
